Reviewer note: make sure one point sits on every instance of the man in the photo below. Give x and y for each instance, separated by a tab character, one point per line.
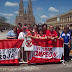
19	29
68	29
67	43
51	34
22	36
28	27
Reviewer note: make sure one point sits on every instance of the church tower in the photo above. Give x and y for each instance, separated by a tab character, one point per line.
21	8
20	17
30	11
25	17
31	18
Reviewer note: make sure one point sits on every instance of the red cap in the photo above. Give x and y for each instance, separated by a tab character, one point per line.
24	26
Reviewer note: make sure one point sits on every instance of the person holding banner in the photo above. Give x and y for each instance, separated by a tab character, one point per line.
30	33
28	27
12	34
51	34
44	27
57	30
41	35
22	36
19	29
35	30
67	43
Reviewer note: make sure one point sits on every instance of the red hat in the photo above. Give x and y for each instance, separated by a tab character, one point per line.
24	26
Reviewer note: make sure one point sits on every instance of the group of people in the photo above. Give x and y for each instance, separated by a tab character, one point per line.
44	33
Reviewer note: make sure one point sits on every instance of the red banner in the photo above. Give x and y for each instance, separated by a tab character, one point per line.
9	51
46	51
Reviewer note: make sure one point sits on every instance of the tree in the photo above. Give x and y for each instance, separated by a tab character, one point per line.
3	19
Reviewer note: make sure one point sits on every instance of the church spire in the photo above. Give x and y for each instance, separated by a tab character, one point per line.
30	11
21	8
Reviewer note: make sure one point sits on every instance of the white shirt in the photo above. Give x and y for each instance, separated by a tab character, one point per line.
22	36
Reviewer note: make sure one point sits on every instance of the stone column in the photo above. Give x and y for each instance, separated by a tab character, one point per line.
61	20
65	19
61	27
69	19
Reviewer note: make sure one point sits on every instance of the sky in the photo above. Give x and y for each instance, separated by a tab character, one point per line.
42	9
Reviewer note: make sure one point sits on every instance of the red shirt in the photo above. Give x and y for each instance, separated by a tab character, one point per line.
18	31
41	36
36	33
51	34
44	31
29	33
27	30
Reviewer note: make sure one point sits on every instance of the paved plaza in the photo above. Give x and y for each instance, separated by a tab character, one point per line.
38	68
56	67
3	34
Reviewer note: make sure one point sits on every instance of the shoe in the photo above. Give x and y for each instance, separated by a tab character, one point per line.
67	60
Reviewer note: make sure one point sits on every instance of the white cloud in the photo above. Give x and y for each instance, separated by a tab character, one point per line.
11	4
16	12
5	14
43	16
28	0
53	9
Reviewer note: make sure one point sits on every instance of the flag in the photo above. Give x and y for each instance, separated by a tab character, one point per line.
9	51
46	50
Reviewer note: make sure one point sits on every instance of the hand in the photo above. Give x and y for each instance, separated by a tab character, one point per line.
58	38
62	39
52	38
28	36
69	46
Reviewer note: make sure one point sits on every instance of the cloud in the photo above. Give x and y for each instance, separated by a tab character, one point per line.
53	9
43	16
28	0
5	14
16	12
11	4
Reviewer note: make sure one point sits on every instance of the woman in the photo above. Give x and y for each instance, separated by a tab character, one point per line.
41	35
12	34
30	33
57	30
44	26
35	30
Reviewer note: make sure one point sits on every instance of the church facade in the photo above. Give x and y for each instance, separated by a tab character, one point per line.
25	17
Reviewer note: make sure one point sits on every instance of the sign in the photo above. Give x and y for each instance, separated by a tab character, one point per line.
9	51
28	44
46	52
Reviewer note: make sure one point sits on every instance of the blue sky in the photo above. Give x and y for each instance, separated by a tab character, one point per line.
42	9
